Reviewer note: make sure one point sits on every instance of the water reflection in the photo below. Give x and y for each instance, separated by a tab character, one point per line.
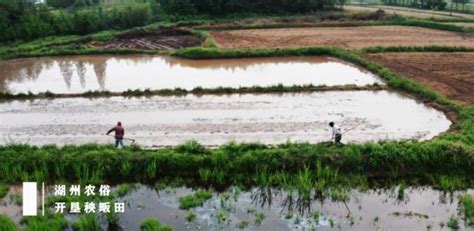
75	74
281	208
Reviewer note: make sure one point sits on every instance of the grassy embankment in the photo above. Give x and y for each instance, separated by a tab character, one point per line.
390	22
198	91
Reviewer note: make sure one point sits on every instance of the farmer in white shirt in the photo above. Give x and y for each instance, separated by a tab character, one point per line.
336	133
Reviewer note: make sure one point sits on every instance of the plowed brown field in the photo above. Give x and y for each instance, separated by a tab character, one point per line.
450	73
346	37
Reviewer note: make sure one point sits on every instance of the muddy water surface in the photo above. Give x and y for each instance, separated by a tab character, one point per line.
79	74
362	211
377	209
214	120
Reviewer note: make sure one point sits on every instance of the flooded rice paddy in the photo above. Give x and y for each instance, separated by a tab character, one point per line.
414	208
79	74
214	120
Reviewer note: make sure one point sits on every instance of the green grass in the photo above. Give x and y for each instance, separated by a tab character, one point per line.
197	91
453	223
194	200
398	21
6	224
125	189
191	216
246	164
72	49
87	222
259	217
153	224
49	222
467	202
208	40
417	49
425	24
242	224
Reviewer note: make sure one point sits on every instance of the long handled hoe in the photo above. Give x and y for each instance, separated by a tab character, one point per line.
133	141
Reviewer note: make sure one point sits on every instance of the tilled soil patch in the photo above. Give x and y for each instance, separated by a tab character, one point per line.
450	73
346	37
160	39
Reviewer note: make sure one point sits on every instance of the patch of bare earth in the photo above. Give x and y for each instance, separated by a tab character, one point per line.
452	74
346	37
160	39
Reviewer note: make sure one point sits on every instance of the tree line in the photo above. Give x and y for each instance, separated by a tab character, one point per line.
458	5
24	20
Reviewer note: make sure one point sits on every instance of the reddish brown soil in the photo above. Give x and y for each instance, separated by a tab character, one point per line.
346	37
452	74
161	39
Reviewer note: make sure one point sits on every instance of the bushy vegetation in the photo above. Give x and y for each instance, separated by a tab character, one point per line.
21	20
49	222
87	222
194	200
467	202
453	223
153	224
258	6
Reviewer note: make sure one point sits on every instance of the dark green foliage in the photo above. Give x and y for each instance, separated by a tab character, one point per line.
453	223
24	22
3	190
423	4
49	222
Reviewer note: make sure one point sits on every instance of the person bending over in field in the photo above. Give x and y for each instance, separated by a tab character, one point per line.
119	133
336	133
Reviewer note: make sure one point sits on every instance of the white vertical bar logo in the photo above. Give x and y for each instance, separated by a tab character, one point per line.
30	198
